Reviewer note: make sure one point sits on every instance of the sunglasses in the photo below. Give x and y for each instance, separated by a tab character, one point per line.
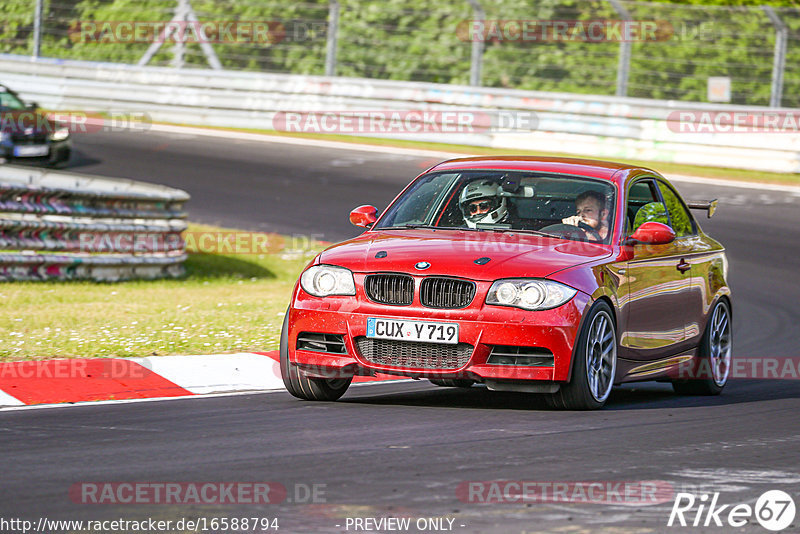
480	207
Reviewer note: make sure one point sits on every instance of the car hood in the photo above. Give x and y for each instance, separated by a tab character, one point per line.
454	253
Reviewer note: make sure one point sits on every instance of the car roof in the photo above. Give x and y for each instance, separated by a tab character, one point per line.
576	166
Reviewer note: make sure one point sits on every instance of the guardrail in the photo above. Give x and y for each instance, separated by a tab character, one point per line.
596	126
66	226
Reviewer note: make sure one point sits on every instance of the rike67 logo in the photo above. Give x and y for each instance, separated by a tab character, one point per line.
774	510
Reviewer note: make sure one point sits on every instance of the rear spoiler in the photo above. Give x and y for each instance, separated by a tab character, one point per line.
709	205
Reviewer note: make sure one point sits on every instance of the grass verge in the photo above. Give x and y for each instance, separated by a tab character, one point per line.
226	303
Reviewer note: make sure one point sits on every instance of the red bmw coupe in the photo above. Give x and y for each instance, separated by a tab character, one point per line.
554	276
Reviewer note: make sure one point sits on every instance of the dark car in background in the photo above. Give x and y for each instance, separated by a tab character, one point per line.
28	135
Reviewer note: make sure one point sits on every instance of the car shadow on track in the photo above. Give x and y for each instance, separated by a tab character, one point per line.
655	395
639	396
77	160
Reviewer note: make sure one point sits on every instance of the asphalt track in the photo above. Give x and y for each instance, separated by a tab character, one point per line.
403	449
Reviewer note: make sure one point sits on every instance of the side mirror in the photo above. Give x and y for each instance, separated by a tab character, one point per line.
364	216
653	233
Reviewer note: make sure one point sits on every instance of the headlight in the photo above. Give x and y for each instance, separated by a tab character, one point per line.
325	280
529	293
60	134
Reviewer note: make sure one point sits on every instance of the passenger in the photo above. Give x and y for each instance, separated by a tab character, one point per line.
591	215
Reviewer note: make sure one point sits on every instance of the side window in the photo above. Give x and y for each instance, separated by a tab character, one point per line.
644	205
681	220
9	101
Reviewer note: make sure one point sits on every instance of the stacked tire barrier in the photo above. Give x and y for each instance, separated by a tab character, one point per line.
597	126
66	226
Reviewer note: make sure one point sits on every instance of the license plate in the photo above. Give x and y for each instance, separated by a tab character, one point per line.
412	330
31	150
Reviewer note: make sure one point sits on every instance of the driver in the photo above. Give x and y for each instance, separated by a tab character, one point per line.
481	202
591	215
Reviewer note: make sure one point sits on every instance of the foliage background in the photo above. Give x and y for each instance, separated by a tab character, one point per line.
417	40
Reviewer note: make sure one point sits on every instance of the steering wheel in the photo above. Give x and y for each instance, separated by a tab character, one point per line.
565	230
593	234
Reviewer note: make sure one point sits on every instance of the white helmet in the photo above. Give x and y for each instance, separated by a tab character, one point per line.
478	190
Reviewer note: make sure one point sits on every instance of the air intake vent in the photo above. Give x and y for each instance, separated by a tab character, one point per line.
511	355
414	355
397	289
446	293
331	343
34	138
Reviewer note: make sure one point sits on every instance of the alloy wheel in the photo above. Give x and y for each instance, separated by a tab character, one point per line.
601	357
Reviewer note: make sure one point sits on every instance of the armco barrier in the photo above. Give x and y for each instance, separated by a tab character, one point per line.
65	226
597	126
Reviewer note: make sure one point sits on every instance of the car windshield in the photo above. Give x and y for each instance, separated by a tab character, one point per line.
568	207
9	102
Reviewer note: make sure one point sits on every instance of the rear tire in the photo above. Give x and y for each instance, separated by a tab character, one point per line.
302	386
595	364
714	355
452	382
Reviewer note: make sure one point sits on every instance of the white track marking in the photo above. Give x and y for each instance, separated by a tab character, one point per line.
733	183
217	373
8	400
286	140
129	401
158	399
722	476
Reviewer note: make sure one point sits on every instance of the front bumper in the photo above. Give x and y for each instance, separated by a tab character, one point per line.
57	152
480	325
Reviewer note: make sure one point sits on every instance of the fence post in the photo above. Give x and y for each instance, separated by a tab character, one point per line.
183	14
778	58
333	31
624	63
476	59
37	27
179	48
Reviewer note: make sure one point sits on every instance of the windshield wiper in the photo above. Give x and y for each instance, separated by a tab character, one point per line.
406	226
495	228
545	234
420	225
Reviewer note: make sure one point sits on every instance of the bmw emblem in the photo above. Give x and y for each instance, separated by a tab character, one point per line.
422	265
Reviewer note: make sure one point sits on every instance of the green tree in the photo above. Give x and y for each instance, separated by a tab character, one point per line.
417	40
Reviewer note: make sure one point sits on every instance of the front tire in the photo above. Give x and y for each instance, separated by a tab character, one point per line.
714	355
306	387
595	364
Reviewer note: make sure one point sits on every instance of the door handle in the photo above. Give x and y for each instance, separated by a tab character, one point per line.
683	266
